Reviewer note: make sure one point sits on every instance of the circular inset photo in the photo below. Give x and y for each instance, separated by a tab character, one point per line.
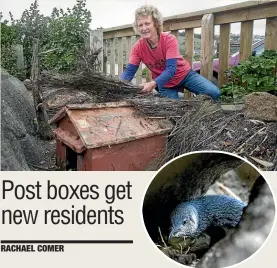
208	209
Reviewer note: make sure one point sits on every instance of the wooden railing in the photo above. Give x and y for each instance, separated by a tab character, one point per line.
245	13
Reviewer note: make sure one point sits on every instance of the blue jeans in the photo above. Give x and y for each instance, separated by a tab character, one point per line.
195	83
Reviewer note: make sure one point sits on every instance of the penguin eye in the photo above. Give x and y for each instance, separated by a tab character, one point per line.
184	222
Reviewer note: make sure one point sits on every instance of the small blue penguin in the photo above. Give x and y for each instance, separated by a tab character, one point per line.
191	218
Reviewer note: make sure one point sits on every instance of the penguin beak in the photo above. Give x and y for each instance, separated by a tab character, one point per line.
170	235
174	237
173	233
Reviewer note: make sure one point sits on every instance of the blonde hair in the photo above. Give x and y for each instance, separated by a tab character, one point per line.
147	10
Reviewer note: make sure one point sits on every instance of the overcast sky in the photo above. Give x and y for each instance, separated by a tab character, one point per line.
111	13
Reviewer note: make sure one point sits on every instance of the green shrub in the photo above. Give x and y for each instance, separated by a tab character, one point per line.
257	74
62	37
68	32
9	39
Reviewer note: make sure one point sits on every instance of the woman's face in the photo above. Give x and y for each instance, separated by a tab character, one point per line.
146	26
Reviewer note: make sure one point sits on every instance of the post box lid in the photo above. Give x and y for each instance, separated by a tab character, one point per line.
111	123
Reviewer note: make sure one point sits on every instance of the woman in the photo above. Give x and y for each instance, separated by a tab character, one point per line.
159	51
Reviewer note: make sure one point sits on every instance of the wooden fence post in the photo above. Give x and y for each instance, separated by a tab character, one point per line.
120	56
189	50
148	75
207	45
224	52
246	37
105	56
18	50
189	45
112	57
271	34
96	42
139	71
44	129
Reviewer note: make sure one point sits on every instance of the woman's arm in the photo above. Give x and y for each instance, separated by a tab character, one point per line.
168	73
129	72
171	55
163	78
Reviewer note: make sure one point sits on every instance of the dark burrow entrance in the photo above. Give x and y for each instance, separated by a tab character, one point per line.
71	159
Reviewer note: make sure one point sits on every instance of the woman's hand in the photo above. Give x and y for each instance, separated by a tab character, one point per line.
148	87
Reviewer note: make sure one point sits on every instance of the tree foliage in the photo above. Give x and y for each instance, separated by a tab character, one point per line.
68	32
9	38
62	37
32	24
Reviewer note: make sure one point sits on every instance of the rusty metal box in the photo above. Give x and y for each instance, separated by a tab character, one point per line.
108	136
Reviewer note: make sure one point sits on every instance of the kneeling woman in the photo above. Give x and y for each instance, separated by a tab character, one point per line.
159	51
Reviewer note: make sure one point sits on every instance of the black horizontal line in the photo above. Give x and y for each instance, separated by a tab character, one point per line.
67	241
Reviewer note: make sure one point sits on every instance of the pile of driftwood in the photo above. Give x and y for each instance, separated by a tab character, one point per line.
199	123
207	126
